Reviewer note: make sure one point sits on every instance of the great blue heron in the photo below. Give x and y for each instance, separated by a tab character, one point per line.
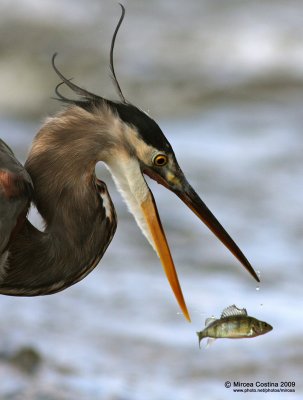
80	220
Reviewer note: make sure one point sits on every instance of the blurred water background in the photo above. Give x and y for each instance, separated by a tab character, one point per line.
224	79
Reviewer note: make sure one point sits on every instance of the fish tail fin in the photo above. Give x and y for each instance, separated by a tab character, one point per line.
200	337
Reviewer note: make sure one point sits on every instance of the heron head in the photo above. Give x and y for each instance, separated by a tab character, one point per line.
144	150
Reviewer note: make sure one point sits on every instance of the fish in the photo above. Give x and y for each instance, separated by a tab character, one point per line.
234	323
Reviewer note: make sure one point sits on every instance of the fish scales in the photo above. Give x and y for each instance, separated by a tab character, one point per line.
233	324
229	327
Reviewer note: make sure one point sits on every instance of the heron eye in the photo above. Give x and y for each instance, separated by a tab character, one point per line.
160	160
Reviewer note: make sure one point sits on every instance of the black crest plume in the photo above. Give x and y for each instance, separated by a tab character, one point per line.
77	89
112	56
85	94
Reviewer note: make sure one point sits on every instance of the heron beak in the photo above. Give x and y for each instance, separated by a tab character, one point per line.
152	218
178	184
193	201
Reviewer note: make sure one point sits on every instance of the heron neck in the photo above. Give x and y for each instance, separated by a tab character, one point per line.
62	160
61	164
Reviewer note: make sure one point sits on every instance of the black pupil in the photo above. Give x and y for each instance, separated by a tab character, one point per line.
160	160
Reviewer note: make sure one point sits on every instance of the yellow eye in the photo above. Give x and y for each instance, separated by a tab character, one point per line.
160	160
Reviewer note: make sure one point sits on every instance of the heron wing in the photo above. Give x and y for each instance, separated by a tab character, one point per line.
15	196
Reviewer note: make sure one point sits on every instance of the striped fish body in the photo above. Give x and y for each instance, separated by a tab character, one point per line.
232	327
233	324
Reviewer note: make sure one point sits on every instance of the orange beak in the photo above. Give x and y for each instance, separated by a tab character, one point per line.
152	218
178	184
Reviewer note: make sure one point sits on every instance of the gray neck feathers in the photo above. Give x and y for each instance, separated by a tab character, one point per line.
61	164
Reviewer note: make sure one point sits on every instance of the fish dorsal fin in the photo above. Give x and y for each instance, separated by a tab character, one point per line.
233	310
208	321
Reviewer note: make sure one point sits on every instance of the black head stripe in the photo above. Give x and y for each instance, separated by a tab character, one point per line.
147	128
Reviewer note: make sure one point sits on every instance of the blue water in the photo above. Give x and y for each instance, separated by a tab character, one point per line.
119	334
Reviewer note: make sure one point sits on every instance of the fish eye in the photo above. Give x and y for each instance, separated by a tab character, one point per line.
160	160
